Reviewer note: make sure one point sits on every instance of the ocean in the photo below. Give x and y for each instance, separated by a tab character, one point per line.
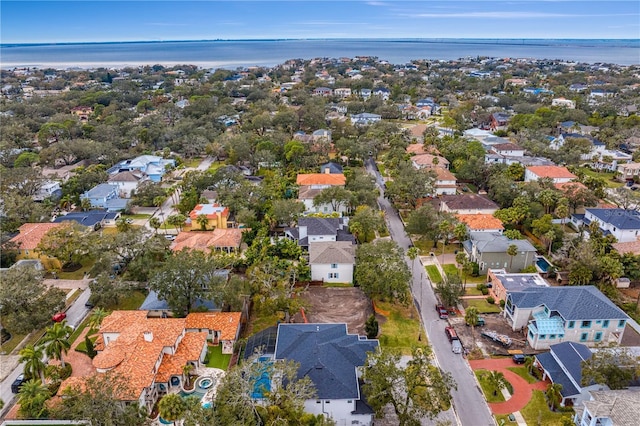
245	53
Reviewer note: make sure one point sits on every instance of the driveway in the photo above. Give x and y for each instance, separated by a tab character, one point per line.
522	390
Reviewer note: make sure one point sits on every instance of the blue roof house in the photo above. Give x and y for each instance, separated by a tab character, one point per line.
331	358
563	365
623	224
580	314
152	165
365	118
105	196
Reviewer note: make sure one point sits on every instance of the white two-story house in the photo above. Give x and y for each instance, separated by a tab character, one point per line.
313	184
623	224
332	261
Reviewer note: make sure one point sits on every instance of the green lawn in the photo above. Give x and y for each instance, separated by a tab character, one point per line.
522	372
129	303
217	359
472	291
434	274
136	216
537	412
608	177
79	274
191	162
487	389
215	166
11	344
450	269
482	305
259	322
401	328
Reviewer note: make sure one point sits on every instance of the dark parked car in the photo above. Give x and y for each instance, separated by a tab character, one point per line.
442	312
519	358
17	383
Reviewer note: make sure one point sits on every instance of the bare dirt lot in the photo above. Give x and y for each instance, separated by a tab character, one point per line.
494	322
337	304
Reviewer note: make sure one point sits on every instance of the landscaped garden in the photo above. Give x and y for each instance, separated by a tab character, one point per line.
537	412
491	392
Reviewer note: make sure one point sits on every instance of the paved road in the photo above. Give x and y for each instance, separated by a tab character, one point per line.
468	402
75	314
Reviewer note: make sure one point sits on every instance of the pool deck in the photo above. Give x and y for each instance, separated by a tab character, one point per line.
215	374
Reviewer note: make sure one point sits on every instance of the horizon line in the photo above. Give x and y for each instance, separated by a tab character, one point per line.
33	43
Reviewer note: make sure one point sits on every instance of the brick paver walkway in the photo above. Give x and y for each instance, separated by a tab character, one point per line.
522	390
80	362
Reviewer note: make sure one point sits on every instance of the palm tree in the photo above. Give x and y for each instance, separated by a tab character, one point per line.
56	340
471	318
33	364
154	222
512	251
497	381
66	202
203	221
186	372
177	220
157	201
413	253
32	397
172	407
460	232
96	317
85	204
528	364
554	395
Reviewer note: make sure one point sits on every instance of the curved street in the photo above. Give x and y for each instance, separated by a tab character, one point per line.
470	407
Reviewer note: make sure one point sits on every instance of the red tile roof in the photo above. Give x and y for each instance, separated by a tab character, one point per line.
552	172
227	323
335	179
480	222
206	240
31	234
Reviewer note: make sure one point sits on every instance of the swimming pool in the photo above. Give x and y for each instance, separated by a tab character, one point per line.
543	264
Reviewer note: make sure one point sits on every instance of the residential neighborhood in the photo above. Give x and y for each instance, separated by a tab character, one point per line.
183	245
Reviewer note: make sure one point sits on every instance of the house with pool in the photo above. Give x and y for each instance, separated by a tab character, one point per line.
551	315
150	353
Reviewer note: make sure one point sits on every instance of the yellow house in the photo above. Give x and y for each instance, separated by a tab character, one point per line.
28	239
216	215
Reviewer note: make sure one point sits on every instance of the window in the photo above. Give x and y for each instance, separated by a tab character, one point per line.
333	275
583	337
605	323
598	336
546	310
585	324
621	323
334	266
531	334
552	336
571	324
543	336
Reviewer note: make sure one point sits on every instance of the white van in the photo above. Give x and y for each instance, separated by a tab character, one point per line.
456	346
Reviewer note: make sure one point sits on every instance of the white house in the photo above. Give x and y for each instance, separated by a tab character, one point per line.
365	118
563	365
562	102
558	174
565	314
320	229
609	408
342	92
332	261
445	182
48	189
313	184
623	224
332	358
127	182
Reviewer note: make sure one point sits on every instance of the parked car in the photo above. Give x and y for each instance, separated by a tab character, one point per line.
170	237
456	346
59	317
17	383
442	312
519	358
451	333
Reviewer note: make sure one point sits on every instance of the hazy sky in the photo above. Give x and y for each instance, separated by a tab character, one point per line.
78	21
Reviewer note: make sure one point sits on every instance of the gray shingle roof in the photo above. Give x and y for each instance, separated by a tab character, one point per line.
332	252
327	355
553	368
320	225
621	406
620	218
573	303
493	242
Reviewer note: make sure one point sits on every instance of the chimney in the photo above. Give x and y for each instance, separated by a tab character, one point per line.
148	336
